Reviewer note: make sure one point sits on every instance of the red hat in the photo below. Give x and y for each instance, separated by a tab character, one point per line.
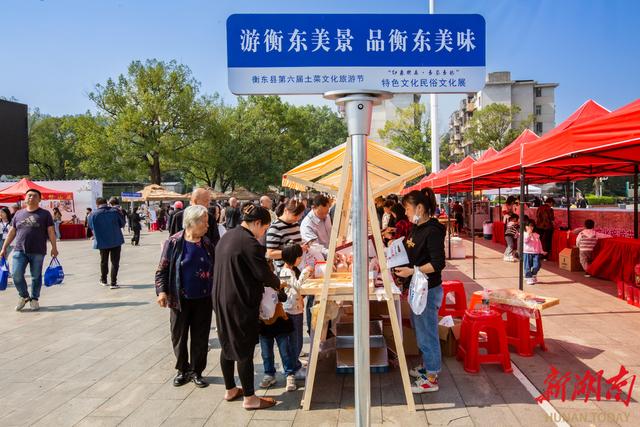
178	205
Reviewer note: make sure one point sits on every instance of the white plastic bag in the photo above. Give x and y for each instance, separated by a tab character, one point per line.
268	303
418	291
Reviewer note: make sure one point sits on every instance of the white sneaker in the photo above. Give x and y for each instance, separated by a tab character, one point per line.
530	281
21	303
291	383
35	305
114	286
425	384
101	283
301	374
417	372
267	381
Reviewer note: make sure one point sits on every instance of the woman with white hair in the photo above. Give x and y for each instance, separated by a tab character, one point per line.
184	280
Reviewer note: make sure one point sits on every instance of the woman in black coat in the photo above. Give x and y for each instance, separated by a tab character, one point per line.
240	274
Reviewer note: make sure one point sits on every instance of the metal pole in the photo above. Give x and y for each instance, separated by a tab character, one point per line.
473	228
635	201
521	239
449	217
566	193
358	108
435	146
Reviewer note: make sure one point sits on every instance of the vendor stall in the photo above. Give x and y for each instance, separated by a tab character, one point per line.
331	172
615	259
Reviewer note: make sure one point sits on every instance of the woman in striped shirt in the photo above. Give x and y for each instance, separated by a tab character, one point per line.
285	230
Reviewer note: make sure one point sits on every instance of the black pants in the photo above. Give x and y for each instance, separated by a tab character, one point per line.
194	317
114	254
245	372
546	236
135	240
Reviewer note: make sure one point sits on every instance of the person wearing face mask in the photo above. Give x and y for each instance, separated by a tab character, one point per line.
425	248
240	275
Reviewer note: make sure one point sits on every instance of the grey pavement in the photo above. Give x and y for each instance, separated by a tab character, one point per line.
99	357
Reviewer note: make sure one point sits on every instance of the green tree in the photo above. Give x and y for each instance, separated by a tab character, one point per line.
53	152
492	127
410	133
152	113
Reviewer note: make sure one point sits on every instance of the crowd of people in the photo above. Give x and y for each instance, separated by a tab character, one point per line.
219	259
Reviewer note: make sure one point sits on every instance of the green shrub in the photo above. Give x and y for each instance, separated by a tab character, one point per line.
604	200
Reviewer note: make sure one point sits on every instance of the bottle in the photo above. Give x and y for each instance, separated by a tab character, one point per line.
485	301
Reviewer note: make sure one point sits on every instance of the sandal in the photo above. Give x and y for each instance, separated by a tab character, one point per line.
239	393
265	402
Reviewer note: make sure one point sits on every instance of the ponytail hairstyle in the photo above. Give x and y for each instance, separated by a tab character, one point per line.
425	197
294	207
253	213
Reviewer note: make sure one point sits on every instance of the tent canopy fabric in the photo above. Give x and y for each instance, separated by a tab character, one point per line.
242	194
16	192
156	192
503	170
388	170
606	146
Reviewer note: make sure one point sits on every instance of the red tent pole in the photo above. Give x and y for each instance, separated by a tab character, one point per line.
635	201
473	228
449	217
521	239
566	194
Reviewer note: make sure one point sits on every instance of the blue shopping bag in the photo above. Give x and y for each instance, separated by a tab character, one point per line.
54	275
4	274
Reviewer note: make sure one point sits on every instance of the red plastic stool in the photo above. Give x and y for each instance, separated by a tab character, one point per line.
521	336
458	308
473	323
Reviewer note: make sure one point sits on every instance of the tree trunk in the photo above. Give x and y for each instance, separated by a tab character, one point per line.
154	169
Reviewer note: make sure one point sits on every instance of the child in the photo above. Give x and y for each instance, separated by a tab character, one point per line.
511	236
278	328
294	306
586	242
531	253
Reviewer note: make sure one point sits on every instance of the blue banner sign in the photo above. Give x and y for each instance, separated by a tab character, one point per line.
313	54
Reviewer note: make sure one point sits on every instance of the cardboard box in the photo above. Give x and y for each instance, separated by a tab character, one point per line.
449	338
408	339
569	259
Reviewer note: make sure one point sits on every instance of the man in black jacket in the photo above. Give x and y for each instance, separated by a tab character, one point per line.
232	214
202	197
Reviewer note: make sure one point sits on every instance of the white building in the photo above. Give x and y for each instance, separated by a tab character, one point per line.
388	110
532	97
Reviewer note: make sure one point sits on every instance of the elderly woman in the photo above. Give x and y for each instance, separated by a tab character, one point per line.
184	283
240	275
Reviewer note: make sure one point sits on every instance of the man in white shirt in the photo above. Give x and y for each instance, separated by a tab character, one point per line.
316	226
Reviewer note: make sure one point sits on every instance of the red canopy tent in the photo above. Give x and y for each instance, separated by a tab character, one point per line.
419	185
16	192
443	178
606	146
504	169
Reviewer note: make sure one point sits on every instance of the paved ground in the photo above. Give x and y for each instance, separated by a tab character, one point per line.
93	356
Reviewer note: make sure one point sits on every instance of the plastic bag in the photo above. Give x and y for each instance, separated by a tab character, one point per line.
268	303
418	291
4	274
54	275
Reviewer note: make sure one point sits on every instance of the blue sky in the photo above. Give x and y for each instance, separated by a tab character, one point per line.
53	52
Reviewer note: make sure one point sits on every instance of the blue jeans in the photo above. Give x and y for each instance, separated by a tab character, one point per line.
20	261
56	227
295	339
426	326
268	358
531	265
